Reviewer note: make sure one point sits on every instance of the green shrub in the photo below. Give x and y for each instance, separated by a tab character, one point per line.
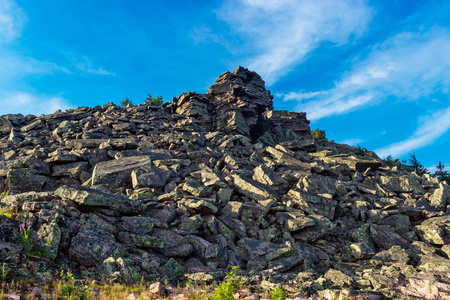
227	288
361	151
277	294
3	195
318	134
126	102
155	101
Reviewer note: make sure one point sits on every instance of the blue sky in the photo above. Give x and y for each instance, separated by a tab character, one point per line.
373	73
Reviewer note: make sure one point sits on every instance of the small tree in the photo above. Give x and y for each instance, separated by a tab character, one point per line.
125	102
318	134
441	173
418	167
156	101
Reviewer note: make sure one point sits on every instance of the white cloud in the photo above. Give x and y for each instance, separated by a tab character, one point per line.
284	32
13	65
428	132
408	66
299	96
352	142
85	65
12	19
26	103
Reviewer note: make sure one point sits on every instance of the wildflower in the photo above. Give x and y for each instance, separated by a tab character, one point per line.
257	281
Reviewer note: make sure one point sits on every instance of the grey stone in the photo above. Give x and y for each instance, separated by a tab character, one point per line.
118	172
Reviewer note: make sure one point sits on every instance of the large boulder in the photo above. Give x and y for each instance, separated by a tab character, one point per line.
93	198
115	173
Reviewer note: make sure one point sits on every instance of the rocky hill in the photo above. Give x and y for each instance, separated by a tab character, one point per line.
210	181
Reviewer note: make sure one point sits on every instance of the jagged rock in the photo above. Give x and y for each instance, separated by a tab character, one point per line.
253	189
90	197
361	251
91	247
384	238
267	176
119	270
402	184
441	196
172	244
395	255
201	206
5	126
172	271
313	204
24	180
338	278
73	170
138	225
149	177
435	230
208	182
49	239
118	172
196	189
321	227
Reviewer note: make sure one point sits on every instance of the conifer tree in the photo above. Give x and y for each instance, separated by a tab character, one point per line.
418	167
441	173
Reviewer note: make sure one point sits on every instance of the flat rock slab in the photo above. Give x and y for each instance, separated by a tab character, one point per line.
90	197
435	230
117	172
384	238
91	247
150	177
257	247
172	244
253	189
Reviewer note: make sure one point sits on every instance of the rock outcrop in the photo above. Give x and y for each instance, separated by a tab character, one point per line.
208	182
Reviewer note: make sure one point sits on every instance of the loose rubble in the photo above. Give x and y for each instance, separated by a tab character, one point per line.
209	181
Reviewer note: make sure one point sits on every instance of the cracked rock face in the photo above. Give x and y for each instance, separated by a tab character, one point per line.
212	181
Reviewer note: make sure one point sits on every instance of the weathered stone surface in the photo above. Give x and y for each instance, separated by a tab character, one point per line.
119	270
313	204
253	189
150	177
172	244
138	225
384	238
435	230
24	180
5	126
118	172
91	247
267	176
196	189
321	227
361	251
441	196
208	182
338	278
201	206
395	255
72	170
402	184
90	197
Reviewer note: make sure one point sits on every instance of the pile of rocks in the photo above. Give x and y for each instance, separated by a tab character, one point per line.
210	181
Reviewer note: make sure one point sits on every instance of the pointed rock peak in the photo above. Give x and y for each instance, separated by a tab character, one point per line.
245	85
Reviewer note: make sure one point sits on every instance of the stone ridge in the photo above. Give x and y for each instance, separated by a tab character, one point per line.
210	181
